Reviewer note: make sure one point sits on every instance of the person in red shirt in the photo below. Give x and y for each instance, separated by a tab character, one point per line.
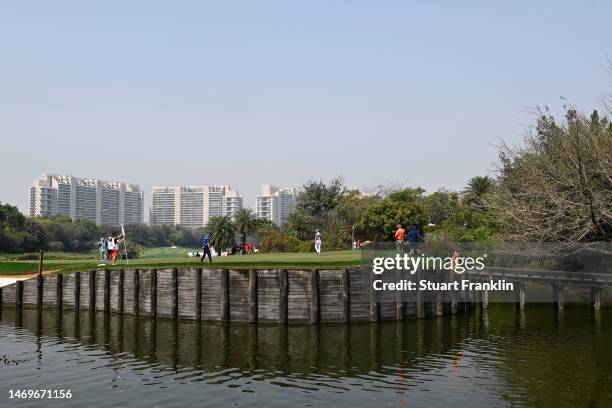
400	236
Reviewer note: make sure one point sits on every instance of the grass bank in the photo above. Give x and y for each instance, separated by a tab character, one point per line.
337	259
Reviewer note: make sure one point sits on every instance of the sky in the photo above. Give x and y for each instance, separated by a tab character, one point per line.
281	92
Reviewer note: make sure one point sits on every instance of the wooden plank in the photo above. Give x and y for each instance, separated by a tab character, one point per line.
299	296
267	295
187	294
239	295
283	296
253	303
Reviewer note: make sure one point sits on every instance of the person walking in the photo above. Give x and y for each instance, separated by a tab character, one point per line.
413	237
318	242
400	236
102	249
206	248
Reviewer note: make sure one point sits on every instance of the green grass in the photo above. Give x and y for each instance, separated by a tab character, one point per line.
176	257
167	252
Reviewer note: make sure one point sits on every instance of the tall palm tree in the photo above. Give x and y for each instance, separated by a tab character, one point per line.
477	188
298	224
221	230
246	224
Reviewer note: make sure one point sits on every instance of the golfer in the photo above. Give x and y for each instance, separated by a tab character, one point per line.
102	249
318	242
206	248
400	236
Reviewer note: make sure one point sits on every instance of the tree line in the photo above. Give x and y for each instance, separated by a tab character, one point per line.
554	186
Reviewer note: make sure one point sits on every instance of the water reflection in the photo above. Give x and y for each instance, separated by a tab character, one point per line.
497	357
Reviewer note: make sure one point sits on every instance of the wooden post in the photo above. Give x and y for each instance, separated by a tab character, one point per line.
136	284
106	290
77	290
40	262
484	299
253	301
374	301
153	311
399	310
558	296
59	295
120	285
198	294
19	293
175	293
420	298
39	290
0	297
596	298
439	303
92	290
314	297
283	298
346	296
520	294
225	295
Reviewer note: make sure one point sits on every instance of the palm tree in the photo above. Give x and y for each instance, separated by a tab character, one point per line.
221	230
298	225
479	185
246	224
477	188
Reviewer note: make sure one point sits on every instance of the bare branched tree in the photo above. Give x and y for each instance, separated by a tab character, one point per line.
557	185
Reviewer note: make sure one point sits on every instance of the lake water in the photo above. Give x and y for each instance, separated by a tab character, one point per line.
539	358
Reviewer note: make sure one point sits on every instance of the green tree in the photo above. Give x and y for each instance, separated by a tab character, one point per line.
222	232
477	189
316	199
380	220
246	224
298	225
35	237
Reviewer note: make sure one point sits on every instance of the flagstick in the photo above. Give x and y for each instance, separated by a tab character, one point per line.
127	261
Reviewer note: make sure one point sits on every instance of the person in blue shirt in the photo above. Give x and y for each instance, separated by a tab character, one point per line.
414	235
206	248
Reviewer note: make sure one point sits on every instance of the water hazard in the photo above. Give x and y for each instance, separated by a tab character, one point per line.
503	357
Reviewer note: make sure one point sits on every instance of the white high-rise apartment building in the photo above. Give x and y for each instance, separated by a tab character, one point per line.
275	204
192	206
103	202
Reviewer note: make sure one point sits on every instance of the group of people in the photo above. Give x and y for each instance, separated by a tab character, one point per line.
109	247
414	236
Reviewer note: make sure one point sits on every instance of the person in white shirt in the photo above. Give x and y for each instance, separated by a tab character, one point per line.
318	242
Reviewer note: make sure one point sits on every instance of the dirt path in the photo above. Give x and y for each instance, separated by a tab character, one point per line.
10	279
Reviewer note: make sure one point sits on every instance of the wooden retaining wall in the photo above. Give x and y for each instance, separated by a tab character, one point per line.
275	295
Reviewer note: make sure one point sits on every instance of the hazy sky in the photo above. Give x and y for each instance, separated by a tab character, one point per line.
253	92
